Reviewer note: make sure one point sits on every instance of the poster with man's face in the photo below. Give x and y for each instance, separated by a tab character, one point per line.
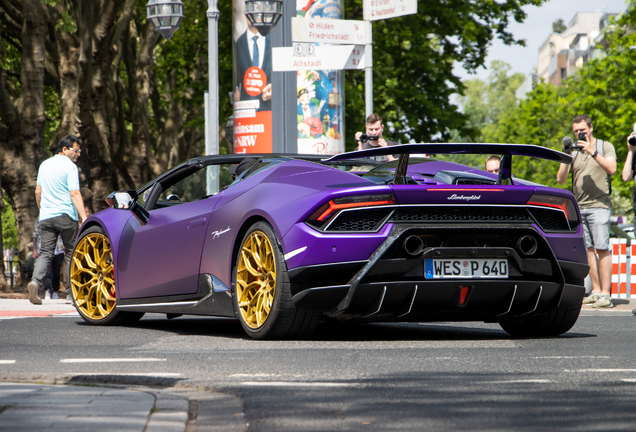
320	105
252	85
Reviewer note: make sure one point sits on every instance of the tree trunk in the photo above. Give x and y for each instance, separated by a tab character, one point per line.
24	120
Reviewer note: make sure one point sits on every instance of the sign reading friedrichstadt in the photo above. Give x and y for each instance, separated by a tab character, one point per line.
383	9
343	32
323	58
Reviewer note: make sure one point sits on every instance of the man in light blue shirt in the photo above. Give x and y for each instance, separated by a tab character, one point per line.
60	202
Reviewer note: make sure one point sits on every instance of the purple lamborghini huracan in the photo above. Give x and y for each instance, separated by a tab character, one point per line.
294	238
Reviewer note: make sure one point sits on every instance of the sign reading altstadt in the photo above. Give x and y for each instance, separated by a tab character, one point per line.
324	58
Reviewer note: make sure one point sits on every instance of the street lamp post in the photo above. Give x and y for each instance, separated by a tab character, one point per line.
263	14
166	16
212	99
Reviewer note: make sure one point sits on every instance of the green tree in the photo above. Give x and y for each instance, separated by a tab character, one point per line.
484	102
9	231
413	59
559	26
99	70
604	89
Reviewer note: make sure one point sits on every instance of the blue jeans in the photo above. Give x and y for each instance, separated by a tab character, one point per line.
50	229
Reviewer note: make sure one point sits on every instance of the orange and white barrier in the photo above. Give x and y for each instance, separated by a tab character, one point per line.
623	268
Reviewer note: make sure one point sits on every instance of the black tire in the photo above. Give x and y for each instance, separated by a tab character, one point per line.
259	270
553	323
92	281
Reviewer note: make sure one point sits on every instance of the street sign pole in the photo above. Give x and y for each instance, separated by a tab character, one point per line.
368	72
375	10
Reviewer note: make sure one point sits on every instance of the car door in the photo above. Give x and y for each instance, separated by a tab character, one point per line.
163	257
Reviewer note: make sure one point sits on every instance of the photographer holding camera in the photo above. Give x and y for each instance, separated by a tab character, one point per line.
373	138
593	162
630	163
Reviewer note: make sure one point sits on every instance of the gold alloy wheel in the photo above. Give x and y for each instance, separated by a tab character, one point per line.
92	277
256	279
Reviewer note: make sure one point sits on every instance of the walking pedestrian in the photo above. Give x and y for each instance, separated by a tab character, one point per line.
51	282
61	205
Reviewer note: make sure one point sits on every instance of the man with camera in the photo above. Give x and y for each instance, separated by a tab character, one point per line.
373	138
630	163
630	168
593	164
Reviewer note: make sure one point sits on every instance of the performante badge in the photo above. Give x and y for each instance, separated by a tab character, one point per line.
218	233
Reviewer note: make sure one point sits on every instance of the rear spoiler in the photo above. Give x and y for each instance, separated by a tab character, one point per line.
506	150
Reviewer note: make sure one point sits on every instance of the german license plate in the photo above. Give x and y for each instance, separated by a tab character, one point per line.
465	268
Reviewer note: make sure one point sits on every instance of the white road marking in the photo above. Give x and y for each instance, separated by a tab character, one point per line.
251	375
572	357
296	384
600	370
156	375
110	360
7	361
629	380
528	381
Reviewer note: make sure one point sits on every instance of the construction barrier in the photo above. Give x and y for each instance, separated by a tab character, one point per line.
623	269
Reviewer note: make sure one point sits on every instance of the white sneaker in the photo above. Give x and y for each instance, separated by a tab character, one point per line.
47	296
56	296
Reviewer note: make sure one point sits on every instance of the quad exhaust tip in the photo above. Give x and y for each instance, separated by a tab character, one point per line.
527	245
413	246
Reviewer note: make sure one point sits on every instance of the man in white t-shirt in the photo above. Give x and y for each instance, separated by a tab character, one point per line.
60	202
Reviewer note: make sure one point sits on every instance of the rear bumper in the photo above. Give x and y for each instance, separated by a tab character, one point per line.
489	301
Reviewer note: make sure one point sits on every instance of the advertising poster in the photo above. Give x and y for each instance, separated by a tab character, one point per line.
320	103
252	86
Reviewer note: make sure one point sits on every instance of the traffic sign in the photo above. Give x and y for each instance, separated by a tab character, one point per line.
333	31
383	9
336	57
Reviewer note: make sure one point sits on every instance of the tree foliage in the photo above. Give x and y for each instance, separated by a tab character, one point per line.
559	26
604	89
9	231
413	59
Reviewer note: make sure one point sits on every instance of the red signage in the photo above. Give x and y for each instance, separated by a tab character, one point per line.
253	134
254	81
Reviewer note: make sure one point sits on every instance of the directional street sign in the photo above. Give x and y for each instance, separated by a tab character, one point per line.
333	31
324	58
383	9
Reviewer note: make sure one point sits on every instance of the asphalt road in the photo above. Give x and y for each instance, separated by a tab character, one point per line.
379	377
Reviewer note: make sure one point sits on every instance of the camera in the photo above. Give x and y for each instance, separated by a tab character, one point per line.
364	138
582	136
632	139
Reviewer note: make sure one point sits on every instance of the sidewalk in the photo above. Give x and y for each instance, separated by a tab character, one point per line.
18	305
61	408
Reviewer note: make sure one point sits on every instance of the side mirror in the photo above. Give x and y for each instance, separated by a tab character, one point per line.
128	201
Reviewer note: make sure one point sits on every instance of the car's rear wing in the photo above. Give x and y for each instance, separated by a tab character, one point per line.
506	150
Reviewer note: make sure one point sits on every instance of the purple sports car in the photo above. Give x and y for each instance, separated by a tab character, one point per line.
292	238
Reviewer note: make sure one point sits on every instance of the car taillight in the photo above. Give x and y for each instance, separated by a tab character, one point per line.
564	204
328	210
